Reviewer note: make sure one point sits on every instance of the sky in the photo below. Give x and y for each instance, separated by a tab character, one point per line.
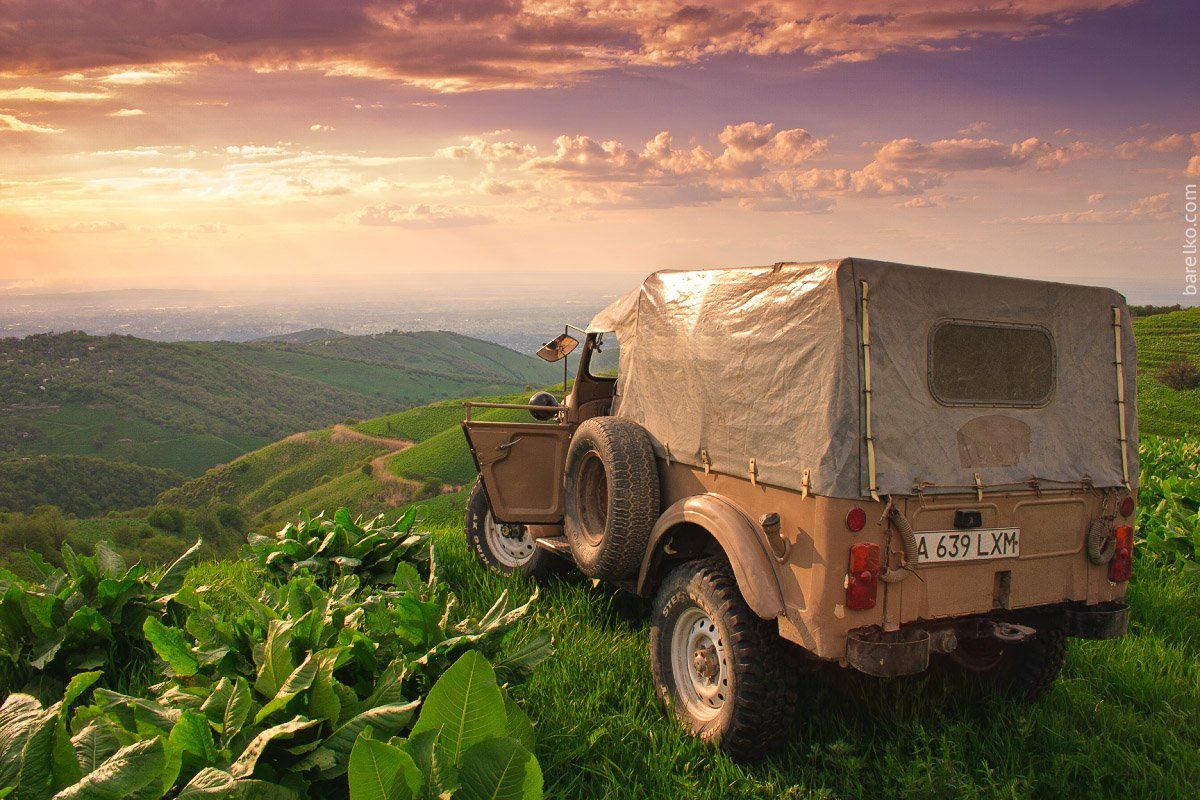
296	148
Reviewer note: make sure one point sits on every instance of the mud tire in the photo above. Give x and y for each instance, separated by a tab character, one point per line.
1026	671
761	696
540	564
611	500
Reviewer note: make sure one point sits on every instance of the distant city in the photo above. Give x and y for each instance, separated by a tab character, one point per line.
522	323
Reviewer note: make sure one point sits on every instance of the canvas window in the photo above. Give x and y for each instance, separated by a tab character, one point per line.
990	364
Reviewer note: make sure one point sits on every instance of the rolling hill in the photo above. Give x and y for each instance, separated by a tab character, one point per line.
188	406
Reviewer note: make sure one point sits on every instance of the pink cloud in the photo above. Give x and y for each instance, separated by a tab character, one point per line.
472	44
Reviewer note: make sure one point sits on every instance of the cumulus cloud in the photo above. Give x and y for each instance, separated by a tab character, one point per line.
452	45
975	128
319	128
421	215
10	124
907	166
126	112
1154	208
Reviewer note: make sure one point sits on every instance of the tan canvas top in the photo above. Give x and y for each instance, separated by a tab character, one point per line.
767	363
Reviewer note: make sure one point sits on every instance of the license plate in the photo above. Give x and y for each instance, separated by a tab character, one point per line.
934	547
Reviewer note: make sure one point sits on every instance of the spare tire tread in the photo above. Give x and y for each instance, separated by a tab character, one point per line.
633	496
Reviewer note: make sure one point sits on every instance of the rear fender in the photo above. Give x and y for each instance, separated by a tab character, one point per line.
744	544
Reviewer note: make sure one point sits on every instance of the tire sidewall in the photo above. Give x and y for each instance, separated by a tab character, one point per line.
588	556
478	507
676	597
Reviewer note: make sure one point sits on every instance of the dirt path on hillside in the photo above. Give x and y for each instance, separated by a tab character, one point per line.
397	490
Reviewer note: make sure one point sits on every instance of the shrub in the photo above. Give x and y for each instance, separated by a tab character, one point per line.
167	518
367	469
430	487
43	531
1181	375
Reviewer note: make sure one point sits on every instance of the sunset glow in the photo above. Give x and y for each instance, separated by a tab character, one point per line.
255	145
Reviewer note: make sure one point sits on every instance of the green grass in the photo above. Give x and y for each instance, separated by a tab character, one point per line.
419	424
1163	338
268	477
445	455
1123	720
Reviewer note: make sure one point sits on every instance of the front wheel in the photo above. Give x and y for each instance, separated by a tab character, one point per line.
502	547
721	668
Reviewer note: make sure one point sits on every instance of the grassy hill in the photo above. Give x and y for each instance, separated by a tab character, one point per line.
304	337
1161	339
371	466
188	406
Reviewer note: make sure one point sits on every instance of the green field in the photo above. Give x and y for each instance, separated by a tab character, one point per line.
1163	338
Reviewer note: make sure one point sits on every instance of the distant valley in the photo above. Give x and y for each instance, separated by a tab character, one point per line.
184	407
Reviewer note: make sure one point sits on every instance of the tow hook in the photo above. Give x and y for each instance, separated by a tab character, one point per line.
1008	631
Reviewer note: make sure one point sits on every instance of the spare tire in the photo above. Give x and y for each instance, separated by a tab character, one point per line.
612	497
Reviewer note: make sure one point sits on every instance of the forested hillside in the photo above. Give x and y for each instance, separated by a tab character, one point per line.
188	406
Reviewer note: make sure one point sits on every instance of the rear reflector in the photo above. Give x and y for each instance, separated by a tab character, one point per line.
856	519
1120	568
1127	506
863	579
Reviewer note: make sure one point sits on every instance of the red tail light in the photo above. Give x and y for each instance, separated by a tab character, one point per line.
856	519
1120	568
863	580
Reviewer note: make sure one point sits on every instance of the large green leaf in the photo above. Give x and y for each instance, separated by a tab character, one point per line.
210	784
248	760
276	663
300	679
127	773
333	755
77	686
518	725
323	701
465	704
229	706
64	763
499	769
112	565
380	771
172	579
192	735
172	646
19	717
35	777
95	744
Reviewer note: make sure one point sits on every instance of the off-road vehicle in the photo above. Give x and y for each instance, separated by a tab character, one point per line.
855	461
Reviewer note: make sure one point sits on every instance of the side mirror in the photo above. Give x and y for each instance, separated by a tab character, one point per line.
557	348
544	399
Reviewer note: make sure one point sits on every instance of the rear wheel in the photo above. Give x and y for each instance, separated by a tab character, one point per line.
1026	670
723	670
503	547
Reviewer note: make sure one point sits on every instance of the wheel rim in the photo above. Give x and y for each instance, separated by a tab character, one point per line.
510	544
699	664
592	498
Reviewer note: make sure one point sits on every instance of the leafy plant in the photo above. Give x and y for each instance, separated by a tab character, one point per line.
1168	523
86	616
280	695
327	547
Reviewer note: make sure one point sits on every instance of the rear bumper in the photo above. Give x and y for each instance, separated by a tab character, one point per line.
886	654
